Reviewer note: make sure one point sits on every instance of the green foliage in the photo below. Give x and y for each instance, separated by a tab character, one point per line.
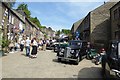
45	36
58	32
42	26
65	31
24	7
36	21
5	43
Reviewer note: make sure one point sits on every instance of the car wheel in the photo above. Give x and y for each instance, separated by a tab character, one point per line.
88	57
59	59
54	49
78	60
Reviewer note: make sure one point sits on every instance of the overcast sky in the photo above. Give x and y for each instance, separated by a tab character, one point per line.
60	14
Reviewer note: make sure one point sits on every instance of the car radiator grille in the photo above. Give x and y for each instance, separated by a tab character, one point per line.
67	52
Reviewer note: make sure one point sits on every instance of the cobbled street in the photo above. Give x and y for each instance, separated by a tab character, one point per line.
17	65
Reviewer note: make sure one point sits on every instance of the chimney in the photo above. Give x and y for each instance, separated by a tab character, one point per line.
104	2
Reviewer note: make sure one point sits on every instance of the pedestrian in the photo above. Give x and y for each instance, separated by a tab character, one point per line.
40	44
22	42
34	45
27	46
11	46
44	45
16	46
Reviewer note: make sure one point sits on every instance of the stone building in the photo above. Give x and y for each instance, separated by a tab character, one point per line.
95	27
16	25
11	22
115	21
48	32
29	29
75	29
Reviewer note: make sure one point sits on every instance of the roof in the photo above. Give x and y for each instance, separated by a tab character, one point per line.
76	24
14	12
19	15
115	5
105	6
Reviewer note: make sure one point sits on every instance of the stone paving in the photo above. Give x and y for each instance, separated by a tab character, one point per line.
17	65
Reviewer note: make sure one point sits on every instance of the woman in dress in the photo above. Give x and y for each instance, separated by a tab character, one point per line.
34	47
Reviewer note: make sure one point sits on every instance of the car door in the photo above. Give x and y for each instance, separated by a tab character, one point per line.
112	58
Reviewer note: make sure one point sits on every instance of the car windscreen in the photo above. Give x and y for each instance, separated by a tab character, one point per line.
75	43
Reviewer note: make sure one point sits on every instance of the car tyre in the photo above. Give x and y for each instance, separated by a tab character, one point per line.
88	57
78	60
59	59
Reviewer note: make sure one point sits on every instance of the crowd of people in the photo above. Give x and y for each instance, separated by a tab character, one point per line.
27	44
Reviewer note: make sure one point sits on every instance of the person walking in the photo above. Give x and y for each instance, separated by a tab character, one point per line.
44	45
11	46
27	46
40	44
16	46
34	48
22	42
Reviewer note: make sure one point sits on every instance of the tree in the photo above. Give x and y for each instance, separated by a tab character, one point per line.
65	31
58	32
36	21
24	7
11	4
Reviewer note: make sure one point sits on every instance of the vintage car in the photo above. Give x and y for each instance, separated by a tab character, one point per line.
49	45
111	61
58	43
74	52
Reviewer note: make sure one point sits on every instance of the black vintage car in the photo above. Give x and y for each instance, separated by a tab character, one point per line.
111	61
59	43
74	52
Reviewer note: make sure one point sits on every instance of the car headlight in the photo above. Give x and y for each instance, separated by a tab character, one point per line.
77	52
72	51
62	50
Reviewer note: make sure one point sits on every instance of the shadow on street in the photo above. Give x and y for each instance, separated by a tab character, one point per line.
92	72
64	62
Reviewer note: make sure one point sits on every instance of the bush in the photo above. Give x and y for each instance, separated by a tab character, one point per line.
5	43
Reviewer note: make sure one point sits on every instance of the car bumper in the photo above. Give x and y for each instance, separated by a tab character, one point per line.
115	74
67	59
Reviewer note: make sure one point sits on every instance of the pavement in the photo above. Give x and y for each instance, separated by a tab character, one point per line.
17	65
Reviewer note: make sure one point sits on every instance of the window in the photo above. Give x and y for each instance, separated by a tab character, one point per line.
115	14
12	20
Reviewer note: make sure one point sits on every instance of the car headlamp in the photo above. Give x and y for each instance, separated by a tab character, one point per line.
62	50
72	51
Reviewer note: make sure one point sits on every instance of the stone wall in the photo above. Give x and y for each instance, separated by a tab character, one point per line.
100	23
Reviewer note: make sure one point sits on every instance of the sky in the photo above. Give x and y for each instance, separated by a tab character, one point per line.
62	14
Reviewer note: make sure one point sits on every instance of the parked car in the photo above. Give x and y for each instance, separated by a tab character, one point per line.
111	61
74	51
98	57
58	43
49	45
91	54
61	48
